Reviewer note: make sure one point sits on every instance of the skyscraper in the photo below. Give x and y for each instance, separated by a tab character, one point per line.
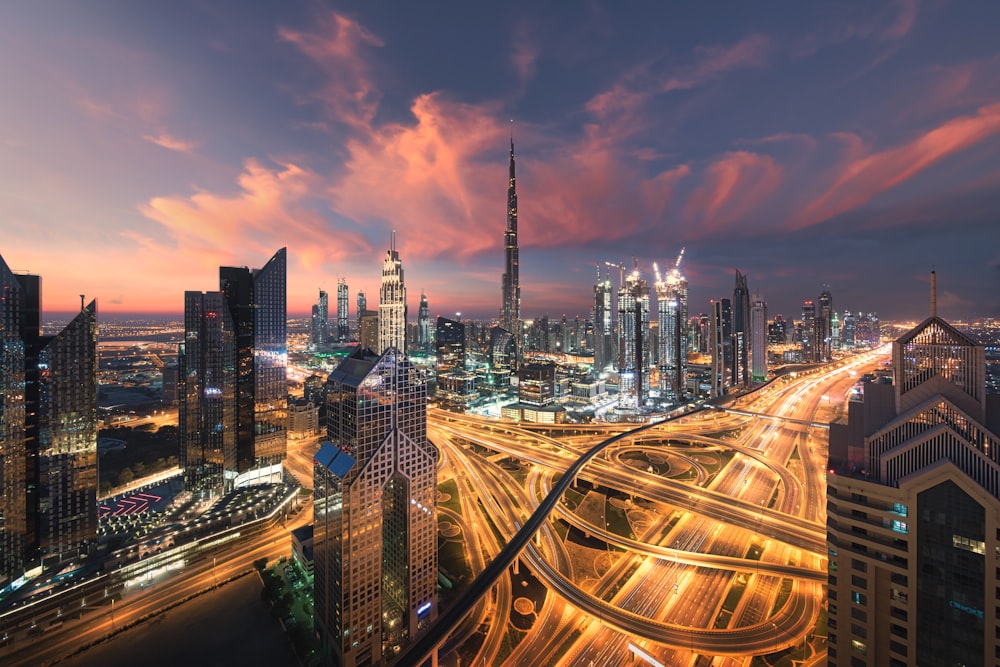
721	345
392	303
48	430
375	486
324	317
914	510
824	324
847	337
758	340
741	332
604	336
362	307
343	330
207	393
232	377
808	340
672	311
510	306
423	324
633	364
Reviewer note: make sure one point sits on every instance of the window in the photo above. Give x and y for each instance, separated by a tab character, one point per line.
859	598
896	647
859	582
859	646
859	565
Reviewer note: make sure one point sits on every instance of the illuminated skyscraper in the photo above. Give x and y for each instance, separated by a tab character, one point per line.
232	378
343	298
48	430
207	393
824	324
741	332
375	488
847	337
808	339
672	310
633	364
604	335
510	306
362	307
324	318
392	303
424	324
319	334
914	510
721	345
758	340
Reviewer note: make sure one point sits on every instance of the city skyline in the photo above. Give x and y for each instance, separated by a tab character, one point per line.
841	147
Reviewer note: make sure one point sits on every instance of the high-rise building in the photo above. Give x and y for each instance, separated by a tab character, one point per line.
343	298
741	332
207	393
510	304
633	356
758	340
502	357
232	378
392	303
604	335
808	340
834	331
362	307
824	324
456	385
913	509
721	345
672	311
324	317
847	337
375	495
777	331
423	324
48	430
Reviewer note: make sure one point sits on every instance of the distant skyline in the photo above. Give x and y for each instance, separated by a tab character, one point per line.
144	145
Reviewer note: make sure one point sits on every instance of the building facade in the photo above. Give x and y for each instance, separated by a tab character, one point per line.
758	340
721	346
604	334
633	348
392	304
48	431
914	511
375	531
232	379
424	325
510	285
672	314
343	316
741	333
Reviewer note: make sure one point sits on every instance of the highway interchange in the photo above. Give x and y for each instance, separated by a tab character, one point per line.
724	554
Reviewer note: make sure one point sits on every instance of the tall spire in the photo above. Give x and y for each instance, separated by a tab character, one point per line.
510	307
933	293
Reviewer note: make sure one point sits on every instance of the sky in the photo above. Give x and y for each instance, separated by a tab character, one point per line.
849	144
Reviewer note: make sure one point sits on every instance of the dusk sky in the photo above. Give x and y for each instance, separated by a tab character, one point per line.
143	145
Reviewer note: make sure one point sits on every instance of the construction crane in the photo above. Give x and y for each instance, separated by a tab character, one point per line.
621	271
677	264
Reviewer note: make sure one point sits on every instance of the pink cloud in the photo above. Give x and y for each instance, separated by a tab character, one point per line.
267	212
170	142
339	48
734	185
713	61
430	176
865	174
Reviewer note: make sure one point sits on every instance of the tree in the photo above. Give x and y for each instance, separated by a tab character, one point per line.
125	476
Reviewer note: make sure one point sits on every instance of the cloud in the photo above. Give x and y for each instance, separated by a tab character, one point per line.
525	48
270	210
430	175
866	174
339	47
734	184
713	61
170	142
